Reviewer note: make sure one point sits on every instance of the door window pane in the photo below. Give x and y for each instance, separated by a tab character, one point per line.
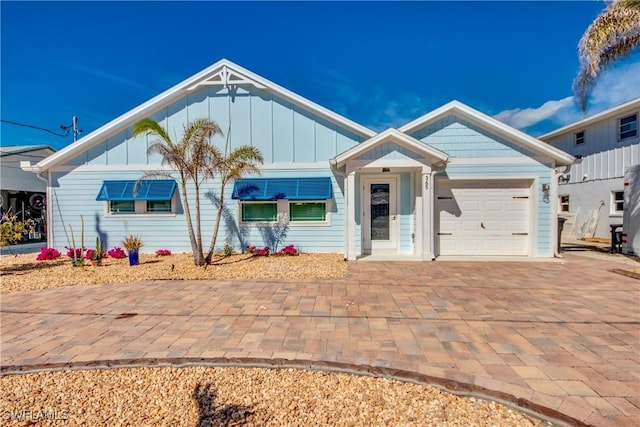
380	212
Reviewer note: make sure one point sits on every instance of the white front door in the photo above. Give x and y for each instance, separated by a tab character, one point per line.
484	217
380	220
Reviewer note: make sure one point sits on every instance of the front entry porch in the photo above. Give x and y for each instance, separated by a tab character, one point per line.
389	197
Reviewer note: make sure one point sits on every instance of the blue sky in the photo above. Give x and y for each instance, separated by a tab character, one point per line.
380	64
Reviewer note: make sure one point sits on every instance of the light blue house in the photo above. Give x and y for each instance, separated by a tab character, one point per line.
452	182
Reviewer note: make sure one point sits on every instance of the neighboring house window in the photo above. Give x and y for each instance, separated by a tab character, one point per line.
617	202
307	211
579	138
564	203
629	126
259	212
122	206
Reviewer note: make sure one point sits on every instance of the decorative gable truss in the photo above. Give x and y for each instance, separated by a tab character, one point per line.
227	78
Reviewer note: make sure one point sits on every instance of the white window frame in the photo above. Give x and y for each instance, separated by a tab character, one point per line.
562	203
283	213
614	201
620	138
579	138
327	213
140	209
261	202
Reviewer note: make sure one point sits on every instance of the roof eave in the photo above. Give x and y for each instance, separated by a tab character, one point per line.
143	110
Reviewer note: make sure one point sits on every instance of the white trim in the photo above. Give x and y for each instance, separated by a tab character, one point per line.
533	184
350	188
634	104
182	89
497	160
492	125
282	213
390	135
147	167
386	163
394	204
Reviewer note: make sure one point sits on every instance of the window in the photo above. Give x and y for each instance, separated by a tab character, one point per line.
122	206
259	212
628	127
158	205
579	137
564	203
307	211
138	197
617	202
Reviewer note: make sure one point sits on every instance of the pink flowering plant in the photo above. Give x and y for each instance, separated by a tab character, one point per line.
117	253
163	252
78	252
47	254
290	250
253	250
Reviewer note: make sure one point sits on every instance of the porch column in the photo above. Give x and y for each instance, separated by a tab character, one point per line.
427	214
350	219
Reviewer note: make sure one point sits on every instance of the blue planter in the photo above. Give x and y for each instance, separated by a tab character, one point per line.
133	257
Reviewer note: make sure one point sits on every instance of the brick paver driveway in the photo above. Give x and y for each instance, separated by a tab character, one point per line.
564	336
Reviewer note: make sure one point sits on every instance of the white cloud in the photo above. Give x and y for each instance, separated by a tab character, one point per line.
524	117
616	86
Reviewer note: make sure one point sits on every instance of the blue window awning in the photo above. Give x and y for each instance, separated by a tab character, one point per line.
148	189
282	188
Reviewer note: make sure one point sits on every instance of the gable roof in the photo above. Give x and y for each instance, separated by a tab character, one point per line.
633	105
222	73
492	125
390	135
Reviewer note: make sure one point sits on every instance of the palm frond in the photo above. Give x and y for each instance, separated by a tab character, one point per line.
613	35
150	127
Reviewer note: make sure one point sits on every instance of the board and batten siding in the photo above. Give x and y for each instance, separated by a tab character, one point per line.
461	138
74	193
282	131
603	155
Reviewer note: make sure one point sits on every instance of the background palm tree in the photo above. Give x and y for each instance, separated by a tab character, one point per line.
232	165
611	36
192	158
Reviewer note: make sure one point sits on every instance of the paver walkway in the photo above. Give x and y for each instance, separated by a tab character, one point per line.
560	335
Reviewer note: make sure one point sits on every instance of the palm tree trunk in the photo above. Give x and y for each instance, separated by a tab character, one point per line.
217	225
200	260
197	256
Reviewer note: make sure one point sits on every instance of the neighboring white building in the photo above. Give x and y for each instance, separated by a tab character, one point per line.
23	192
591	194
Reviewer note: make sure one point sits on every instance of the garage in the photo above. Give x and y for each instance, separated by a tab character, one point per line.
488	217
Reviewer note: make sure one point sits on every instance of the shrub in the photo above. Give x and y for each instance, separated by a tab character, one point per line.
251	249
47	254
258	252
288	250
228	250
163	252
117	253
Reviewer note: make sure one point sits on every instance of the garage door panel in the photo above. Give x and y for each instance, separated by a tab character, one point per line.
491	217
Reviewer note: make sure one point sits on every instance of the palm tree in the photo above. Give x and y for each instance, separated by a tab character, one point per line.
611	36
191	157
240	162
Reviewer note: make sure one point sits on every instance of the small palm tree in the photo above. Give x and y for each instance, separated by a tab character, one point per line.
192	158
233	165
614	34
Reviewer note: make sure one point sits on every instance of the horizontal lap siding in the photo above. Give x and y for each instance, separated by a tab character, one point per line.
460	138
317	238
283	132
74	194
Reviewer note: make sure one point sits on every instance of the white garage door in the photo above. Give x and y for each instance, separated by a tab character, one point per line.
483	218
